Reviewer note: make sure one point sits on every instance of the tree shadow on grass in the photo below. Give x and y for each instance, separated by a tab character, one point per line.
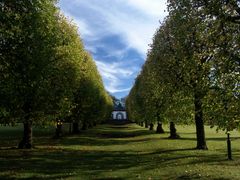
62	162
54	163
181	138
174	150
107	138
123	134
197	176
58	163
207	139
120	127
102	142
189	177
108	178
194	176
222	139
189	133
94	137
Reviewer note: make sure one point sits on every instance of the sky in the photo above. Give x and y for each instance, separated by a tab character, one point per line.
117	33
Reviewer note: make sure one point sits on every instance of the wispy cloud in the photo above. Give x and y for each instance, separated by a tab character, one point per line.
134	20
117	33
117	90
115	75
153	8
115	68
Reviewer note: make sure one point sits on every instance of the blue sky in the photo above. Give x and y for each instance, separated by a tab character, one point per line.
117	34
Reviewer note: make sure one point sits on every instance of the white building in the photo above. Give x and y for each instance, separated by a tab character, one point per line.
119	113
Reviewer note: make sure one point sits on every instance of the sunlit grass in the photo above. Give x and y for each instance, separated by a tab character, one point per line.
118	152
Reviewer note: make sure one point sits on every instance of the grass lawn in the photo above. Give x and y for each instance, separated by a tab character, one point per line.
118	152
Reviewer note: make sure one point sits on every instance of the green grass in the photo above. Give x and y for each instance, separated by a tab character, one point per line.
118	152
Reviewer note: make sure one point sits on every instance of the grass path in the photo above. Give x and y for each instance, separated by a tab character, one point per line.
118	152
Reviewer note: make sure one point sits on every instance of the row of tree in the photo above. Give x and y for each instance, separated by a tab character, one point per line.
191	74
46	75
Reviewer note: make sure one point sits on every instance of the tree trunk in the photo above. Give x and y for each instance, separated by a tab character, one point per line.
201	141
90	125
151	127
58	133
75	127
173	131
26	142
141	123
160	128
84	126
70	128
146	124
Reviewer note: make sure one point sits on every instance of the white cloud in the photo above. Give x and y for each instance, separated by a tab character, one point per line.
83	28
114	75
113	71
135	21
155	8
117	90
135	26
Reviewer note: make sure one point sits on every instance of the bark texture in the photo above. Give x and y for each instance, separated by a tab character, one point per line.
151	127
160	128
26	142
59	131
75	128
146	124
201	141
173	131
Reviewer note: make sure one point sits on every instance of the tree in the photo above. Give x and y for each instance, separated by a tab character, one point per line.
227	10
187	57
194	65
149	97
92	104
222	101
38	66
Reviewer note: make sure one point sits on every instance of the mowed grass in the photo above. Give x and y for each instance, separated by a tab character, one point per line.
118	152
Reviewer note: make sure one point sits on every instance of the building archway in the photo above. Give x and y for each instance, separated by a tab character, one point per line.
119	116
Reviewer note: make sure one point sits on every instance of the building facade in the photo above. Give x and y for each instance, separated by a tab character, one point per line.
119	113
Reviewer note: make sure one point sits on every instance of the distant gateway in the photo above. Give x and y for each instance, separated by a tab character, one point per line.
119	112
